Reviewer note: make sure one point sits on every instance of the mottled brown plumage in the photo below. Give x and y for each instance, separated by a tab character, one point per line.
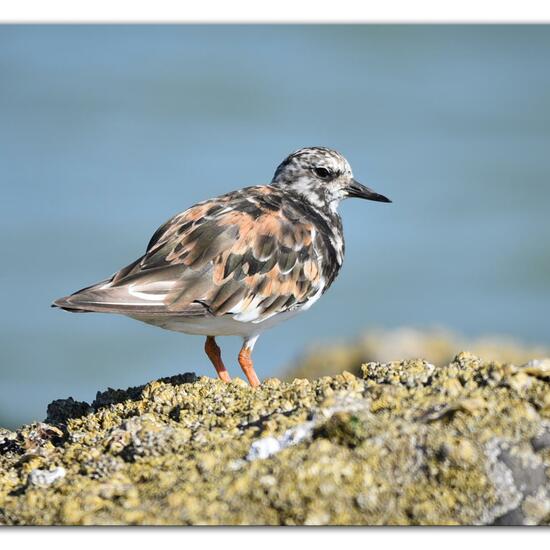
219	257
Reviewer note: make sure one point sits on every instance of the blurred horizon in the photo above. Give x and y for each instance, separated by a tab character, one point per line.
108	130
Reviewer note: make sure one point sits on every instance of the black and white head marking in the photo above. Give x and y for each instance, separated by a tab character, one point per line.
318	174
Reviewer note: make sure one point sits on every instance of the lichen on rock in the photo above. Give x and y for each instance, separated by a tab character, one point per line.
403	443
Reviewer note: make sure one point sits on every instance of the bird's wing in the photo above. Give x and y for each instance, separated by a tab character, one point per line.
250	254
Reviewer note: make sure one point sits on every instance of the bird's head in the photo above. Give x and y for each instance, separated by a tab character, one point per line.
323	177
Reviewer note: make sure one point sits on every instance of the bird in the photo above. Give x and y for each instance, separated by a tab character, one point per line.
240	263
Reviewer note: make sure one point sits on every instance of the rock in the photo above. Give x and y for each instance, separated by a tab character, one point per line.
61	410
41	478
404	443
538	367
437	346
541	441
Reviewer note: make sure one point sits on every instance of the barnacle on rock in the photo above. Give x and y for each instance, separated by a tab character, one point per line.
404	442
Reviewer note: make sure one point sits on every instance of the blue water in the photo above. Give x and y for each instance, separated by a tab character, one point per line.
105	132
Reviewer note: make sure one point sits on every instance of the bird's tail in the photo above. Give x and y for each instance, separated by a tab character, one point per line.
80	301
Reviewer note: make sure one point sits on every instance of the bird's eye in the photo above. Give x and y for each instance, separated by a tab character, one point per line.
322	173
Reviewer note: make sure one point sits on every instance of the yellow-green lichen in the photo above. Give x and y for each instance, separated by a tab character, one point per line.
402	443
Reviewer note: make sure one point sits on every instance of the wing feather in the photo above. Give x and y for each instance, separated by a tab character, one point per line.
250	254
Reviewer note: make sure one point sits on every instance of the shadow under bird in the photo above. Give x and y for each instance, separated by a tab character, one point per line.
240	263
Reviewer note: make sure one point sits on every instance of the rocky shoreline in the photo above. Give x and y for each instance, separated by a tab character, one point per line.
401	443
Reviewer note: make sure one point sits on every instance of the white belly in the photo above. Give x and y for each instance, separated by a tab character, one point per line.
214	326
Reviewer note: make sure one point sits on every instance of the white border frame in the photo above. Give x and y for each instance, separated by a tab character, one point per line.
276	11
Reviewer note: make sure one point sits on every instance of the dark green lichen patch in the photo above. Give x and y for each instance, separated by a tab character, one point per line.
403	443
344	428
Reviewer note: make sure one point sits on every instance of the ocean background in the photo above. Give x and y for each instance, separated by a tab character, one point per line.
107	131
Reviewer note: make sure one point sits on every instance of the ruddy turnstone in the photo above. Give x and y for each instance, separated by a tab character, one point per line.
240	263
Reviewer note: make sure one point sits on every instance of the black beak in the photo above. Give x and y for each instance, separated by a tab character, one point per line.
356	189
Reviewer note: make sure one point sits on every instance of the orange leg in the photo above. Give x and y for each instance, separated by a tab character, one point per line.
248	367
214	354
